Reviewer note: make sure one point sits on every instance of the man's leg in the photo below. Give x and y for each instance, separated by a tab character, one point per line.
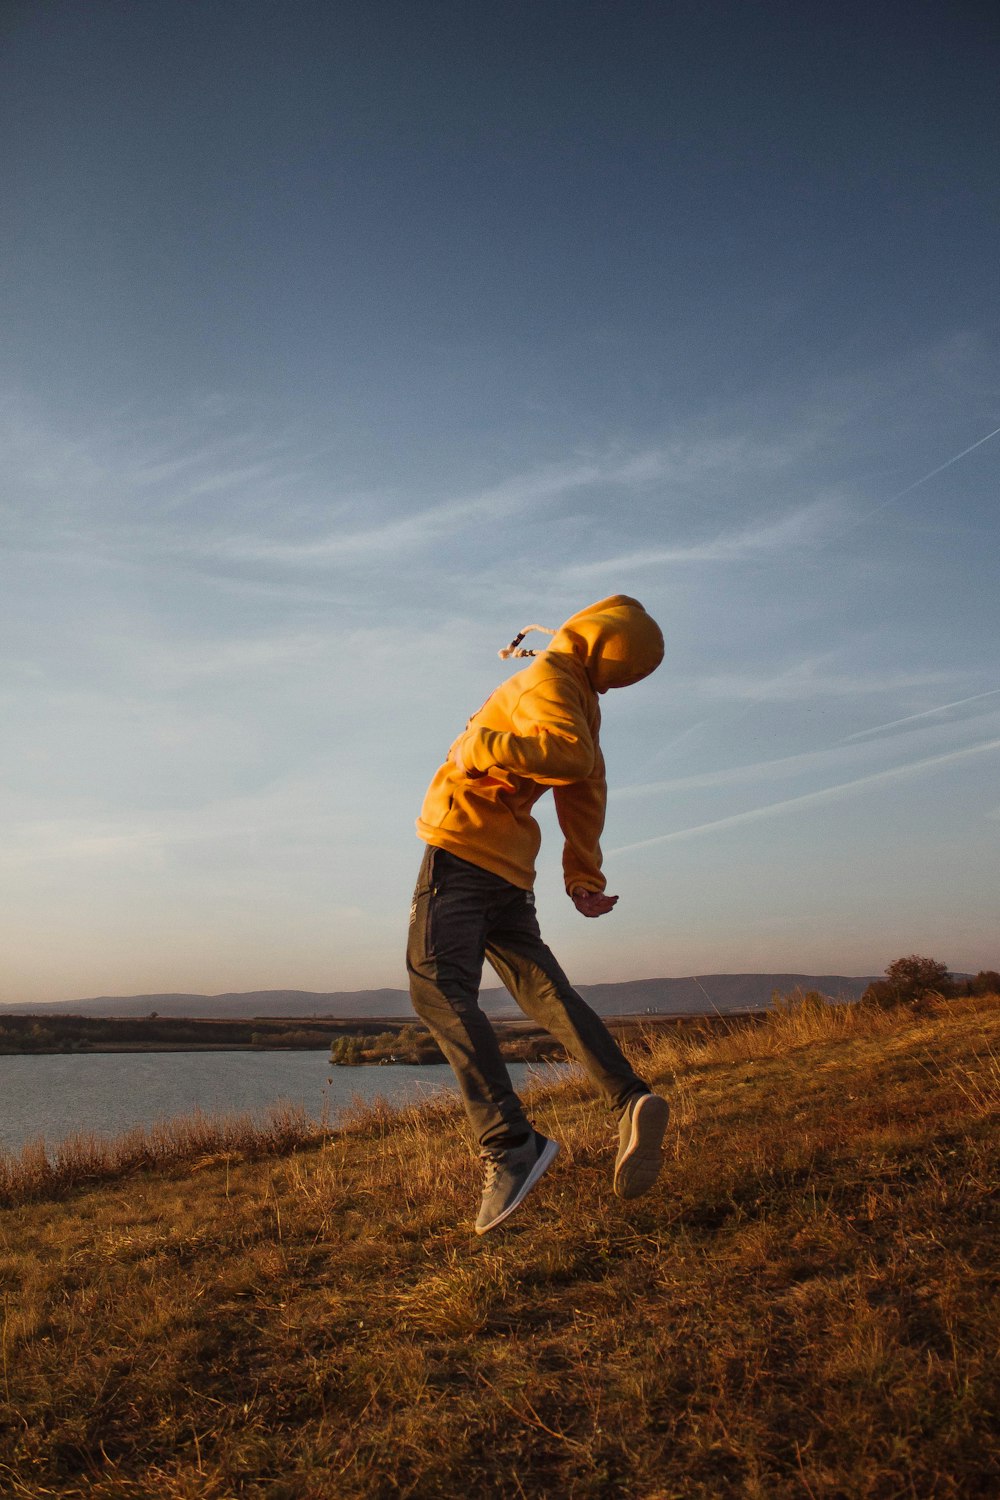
527	966
445	951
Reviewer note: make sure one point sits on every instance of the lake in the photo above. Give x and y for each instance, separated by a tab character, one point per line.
108	1092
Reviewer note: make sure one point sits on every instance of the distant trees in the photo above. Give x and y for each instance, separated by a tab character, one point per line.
347	1051
21	1034
410	1044
914	978
914	981
910	981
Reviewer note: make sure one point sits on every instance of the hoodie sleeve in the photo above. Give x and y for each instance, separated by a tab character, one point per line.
580	809
551	743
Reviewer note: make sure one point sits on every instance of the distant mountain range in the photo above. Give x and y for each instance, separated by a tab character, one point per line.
701	995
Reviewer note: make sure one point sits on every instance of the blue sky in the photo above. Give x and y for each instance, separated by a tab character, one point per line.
343	340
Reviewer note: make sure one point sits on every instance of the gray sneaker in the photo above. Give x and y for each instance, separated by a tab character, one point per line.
640	1154
510	1178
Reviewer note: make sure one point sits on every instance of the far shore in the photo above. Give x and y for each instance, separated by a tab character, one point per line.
106	1047
351	1042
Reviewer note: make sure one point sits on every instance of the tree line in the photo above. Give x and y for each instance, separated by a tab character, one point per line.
915	981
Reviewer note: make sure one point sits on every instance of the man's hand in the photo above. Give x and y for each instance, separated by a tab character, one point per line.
455	756
591	903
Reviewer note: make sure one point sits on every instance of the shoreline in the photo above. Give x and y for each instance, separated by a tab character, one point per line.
359	1041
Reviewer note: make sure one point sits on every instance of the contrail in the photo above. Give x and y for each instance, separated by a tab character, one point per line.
923	480
927	713
826	794
670	746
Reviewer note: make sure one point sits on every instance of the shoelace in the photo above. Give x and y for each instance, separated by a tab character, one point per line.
493	1168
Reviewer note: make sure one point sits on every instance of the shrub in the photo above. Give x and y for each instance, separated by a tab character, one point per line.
346	1051
798	1000
910	981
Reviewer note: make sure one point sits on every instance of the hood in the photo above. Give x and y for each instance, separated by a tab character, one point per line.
616	639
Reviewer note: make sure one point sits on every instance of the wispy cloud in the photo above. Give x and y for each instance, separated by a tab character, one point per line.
802	527
173	663
804	681
522	492
927	713
753	771
303	808
245	489
785	767
398	532
812	799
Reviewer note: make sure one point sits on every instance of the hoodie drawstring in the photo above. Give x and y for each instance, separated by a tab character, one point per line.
512	649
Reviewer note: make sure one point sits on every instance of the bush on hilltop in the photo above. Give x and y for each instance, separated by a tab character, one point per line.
911	982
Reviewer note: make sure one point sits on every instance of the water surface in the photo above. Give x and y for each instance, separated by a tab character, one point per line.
107	1092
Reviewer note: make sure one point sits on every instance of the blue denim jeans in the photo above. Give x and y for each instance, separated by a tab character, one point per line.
460	916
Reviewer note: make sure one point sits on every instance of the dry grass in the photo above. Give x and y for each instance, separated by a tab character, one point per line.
196	1139
804	1308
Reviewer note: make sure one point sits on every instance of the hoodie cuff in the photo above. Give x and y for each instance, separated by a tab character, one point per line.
467	744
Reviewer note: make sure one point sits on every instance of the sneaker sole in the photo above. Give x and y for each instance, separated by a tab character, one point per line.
639	1165
543	1163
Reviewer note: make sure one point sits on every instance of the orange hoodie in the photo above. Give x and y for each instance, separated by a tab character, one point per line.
539	729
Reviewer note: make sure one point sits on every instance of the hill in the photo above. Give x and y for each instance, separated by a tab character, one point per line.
803	1307
700	995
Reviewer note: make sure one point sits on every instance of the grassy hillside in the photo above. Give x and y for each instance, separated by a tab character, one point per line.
805	1307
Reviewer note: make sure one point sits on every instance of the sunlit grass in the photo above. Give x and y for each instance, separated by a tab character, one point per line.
802	1308
197	1140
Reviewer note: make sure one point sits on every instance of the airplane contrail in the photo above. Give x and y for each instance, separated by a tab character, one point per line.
924	478
826	794
926	714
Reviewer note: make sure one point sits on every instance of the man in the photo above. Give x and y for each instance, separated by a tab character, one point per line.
474	893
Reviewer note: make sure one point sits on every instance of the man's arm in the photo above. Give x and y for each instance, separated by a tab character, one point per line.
558	750
580	809
556	747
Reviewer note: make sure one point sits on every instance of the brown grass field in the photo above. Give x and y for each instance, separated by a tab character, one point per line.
804	1306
